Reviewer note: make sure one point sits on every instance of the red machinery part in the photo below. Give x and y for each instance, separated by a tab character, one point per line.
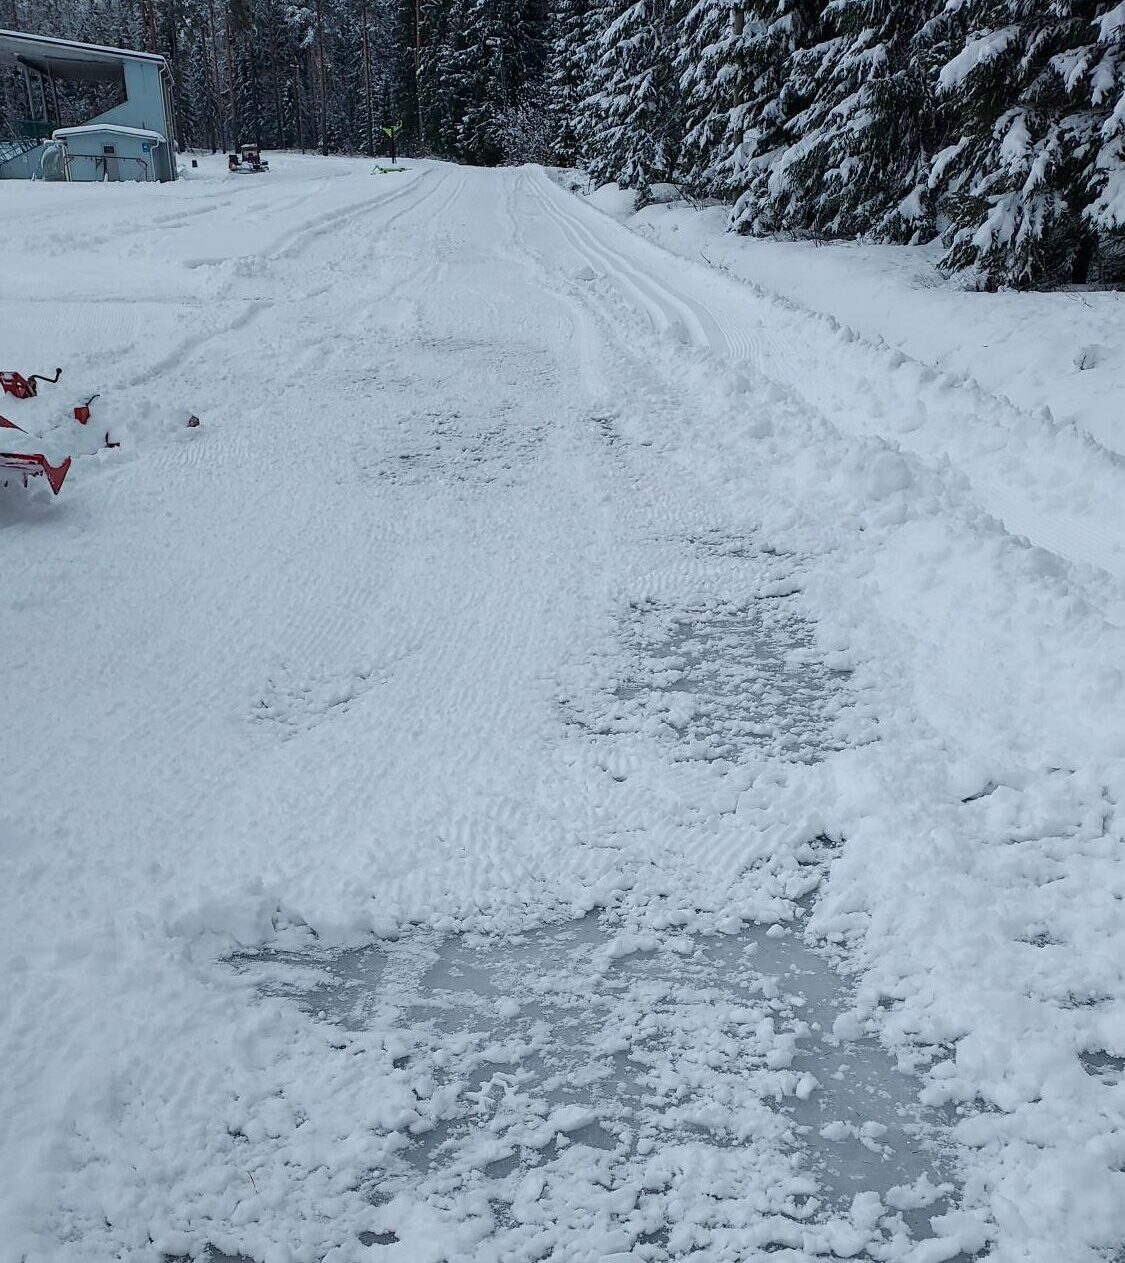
32	465
82	411
25	387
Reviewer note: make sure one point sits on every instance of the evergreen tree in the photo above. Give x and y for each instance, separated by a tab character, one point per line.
507	62
569	40
481	60
1034	115
859	152
715	95
635	106
776	87
1106	212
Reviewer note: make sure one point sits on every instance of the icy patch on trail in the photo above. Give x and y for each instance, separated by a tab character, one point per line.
625	1086
726	682
731	680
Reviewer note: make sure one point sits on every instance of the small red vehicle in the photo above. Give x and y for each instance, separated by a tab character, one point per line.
248	160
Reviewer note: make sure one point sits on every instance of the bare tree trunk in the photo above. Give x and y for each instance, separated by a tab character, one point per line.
174	62
215	68
367	85
321	78
280	136
297	102
148	24
230	83
418	66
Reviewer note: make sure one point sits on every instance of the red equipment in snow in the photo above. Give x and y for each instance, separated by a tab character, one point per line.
248	158
82	410
29	464
25	387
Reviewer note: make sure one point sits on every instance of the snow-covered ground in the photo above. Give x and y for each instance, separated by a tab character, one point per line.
577	757
1063	352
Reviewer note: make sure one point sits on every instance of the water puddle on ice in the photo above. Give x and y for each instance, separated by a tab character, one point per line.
594	1089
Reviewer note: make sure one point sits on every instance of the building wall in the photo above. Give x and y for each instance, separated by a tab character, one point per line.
145	108
23	167
88	162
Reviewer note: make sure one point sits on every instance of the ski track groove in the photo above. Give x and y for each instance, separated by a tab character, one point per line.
999	480
343	669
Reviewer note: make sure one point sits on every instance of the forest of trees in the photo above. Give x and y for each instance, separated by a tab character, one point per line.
998	125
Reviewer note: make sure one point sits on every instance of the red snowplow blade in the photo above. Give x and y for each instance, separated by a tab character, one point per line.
32	465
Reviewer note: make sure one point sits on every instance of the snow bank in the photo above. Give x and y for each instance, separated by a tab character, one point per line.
1018	347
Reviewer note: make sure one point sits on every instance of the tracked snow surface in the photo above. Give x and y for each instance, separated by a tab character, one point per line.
576	758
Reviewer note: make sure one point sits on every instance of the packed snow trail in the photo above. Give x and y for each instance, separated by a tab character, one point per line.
1047	480
483	793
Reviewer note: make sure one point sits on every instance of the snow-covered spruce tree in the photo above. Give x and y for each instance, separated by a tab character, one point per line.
776	89
1106	212
635	104
441	75
480	62
1028	83
478	136
859	153
509	59
716	95
569	43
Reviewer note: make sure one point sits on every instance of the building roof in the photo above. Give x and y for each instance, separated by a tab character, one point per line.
141	133
65	59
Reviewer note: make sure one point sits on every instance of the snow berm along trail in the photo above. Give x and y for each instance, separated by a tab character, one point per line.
528	778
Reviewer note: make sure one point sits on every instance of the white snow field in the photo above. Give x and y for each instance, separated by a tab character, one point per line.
573	759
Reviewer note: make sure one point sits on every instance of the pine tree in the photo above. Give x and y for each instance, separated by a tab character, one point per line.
635	105
1025	80
859	153
482	57
569	40
1106	212
715	95
776	88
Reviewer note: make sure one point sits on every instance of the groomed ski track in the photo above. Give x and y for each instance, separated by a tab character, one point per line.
526	580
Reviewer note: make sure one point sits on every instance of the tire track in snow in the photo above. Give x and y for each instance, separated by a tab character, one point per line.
881	403
294	245
713	328
668	310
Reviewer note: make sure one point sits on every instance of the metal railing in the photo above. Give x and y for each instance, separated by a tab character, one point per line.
11	148
101	165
